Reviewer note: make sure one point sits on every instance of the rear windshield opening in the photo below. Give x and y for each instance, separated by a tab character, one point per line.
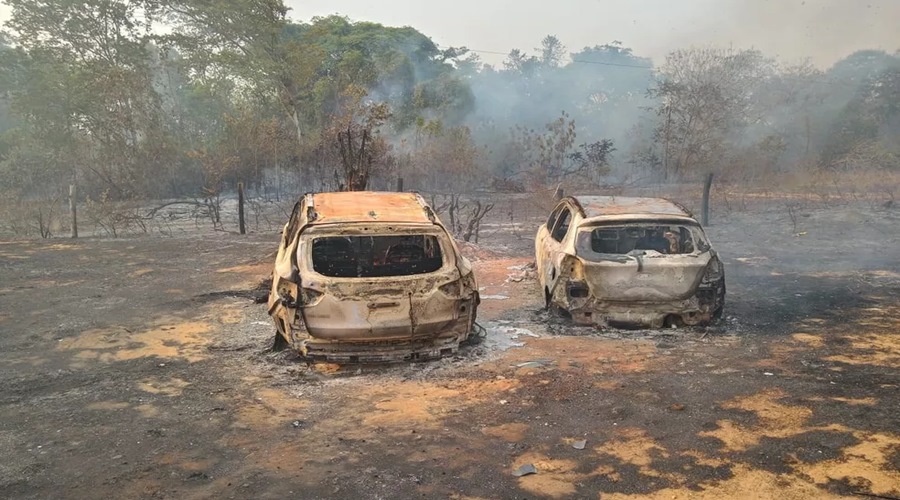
376	256
665	239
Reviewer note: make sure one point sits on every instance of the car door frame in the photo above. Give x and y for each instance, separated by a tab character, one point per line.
551	248
284	297
543	234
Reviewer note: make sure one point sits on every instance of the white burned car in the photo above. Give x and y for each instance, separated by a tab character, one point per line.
368	276
618	261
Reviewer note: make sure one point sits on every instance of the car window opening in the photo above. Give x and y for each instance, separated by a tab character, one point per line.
621	240
376	256
562	225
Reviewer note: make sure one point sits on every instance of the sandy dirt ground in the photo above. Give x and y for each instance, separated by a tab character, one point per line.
139	368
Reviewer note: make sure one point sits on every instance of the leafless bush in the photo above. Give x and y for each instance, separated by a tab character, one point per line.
114	218
464	217
475	216
28	218
267	214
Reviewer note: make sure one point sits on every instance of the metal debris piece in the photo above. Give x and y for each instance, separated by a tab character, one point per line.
579	445
538	363
525	470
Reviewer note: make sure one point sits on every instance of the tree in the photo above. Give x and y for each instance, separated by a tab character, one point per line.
552	52
707	98
520	63
445	159
86	79
354	140
591	159
871	120
252	40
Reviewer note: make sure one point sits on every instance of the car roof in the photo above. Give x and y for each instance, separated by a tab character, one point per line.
616	206
368	206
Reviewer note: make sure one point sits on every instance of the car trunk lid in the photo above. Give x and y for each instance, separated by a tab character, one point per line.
643	261
649	277
382	287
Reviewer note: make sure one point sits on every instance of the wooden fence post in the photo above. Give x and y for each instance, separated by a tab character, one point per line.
399	184
705	209
241	208
73	210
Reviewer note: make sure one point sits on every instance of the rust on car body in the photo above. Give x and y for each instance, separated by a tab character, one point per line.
369	277
335	208
606	206
609	260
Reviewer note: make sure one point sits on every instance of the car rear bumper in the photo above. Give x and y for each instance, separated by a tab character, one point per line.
444	343
700	309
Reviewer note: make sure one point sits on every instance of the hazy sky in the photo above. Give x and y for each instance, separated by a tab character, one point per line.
824	30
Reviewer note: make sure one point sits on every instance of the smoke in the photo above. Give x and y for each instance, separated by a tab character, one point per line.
824	31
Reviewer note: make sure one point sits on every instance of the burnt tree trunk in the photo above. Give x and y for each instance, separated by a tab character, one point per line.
241	226
73	210
355	161
707	185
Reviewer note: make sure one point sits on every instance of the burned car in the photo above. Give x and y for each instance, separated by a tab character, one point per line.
618	261
369	276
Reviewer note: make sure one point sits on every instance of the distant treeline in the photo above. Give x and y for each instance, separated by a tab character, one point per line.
157	99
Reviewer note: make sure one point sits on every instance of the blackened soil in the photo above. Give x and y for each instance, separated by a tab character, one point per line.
141	368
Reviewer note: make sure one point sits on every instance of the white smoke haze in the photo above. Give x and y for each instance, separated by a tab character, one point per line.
822	30
604	89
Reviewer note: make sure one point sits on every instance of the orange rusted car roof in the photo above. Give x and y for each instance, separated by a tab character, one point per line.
599	206
369	206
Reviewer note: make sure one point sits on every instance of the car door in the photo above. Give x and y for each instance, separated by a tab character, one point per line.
555	245
284	295
552	245
540	242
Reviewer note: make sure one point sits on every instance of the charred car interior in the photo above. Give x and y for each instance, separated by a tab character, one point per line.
623	240
376	256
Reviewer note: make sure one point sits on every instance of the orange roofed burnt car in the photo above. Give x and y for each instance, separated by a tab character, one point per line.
368	276
617	261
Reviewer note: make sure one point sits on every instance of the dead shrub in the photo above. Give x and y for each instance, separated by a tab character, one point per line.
113	217
28	218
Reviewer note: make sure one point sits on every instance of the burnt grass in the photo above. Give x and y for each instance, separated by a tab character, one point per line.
223	416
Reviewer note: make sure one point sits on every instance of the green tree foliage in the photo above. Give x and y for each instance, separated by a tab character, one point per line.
86	90
141	99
